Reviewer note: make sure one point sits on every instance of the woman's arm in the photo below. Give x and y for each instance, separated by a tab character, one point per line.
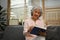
27	29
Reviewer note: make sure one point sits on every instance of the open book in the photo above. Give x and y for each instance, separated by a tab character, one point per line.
37	30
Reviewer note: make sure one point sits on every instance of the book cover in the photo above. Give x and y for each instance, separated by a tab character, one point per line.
37	30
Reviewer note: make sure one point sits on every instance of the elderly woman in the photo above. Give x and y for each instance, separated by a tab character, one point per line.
29	23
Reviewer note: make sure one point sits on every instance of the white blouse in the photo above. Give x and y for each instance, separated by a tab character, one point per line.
29	22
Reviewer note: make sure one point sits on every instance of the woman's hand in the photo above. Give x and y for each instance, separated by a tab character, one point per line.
42	33
30	29
28	33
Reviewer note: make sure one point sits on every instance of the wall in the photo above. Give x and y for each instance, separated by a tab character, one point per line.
3	3
52	3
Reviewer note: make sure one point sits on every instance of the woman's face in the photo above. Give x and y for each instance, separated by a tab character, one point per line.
36	14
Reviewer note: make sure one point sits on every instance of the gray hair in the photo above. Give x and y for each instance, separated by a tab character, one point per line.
36	7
